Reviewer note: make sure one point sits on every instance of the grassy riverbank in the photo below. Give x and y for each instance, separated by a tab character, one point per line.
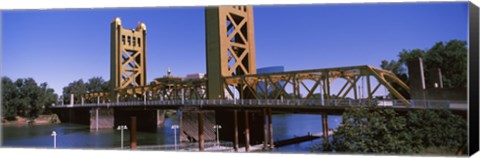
22	121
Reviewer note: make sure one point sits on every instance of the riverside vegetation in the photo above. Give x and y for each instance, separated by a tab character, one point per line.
26	102
377	130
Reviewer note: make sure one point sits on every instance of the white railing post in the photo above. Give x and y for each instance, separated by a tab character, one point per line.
144	97
96	119
183	96
72	99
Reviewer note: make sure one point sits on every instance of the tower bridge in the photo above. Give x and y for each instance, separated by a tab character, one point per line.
232	94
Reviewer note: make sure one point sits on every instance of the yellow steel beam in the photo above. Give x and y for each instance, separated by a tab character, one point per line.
392	90
327	76
348	90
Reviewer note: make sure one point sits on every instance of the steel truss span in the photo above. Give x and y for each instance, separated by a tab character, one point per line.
231	69
275	84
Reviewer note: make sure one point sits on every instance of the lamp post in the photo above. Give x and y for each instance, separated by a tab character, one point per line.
121	128
217	127
54	134
175	127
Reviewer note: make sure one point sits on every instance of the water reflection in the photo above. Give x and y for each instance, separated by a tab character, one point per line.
80	136
291	125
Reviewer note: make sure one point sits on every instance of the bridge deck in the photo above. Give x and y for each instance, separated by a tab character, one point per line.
295	105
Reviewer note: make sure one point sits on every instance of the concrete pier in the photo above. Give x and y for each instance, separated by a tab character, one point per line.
189	126
234	124
101	118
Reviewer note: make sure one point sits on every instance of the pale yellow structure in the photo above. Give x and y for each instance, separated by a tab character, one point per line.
128	56
230	45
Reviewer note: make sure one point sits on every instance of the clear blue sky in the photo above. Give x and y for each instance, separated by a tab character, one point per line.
60	46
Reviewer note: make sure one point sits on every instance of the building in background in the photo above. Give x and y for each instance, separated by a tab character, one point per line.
195	76
270	69
262	88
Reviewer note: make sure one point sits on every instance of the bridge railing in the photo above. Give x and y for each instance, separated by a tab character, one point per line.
438	104
289	102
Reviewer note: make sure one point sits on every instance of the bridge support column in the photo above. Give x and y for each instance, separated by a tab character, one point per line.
325	125
239	128
235	124
265	129
160	117
190	126
270	126
201	145
101	118
247	132
133	132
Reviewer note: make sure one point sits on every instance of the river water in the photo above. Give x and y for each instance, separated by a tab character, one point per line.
74	136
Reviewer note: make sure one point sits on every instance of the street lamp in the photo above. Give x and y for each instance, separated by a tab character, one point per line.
175	127
121	128
217	127
54	134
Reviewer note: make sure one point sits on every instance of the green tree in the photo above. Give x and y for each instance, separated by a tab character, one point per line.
372	130
30	95
98	84
382	130
450	57
436	128
10	96
107	86
394	66
405	55
36	97
25	98
47	99
398	69
79	87
94	84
